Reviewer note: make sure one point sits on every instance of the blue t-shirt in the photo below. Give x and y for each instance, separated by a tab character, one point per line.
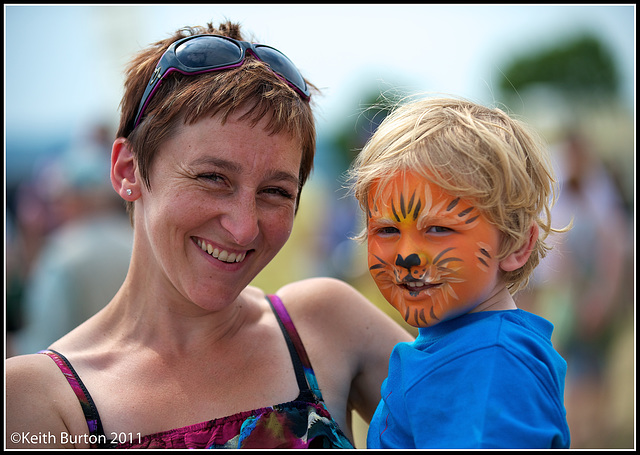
482	380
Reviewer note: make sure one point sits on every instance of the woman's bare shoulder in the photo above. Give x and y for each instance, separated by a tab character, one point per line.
29	370
41	407
320	291
336	305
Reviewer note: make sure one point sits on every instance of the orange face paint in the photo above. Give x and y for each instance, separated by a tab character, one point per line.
431	254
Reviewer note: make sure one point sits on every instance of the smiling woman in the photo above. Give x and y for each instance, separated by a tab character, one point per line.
211	164
248	190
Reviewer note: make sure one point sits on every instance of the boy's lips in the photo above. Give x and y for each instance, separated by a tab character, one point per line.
418	286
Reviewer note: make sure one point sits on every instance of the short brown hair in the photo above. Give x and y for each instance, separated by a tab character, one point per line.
186	99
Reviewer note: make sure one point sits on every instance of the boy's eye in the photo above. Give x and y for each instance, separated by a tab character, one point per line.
386	230
438	230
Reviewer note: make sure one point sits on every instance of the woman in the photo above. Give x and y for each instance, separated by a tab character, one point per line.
215	143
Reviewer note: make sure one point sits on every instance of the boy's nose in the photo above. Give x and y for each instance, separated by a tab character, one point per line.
411	260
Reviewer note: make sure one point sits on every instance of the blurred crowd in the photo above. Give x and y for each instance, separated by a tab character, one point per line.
68	243
585	288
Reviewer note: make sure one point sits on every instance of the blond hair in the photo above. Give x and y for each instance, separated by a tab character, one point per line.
475	153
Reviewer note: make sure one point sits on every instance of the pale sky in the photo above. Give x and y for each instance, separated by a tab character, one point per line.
63	64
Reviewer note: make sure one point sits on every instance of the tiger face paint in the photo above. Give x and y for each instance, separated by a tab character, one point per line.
432	255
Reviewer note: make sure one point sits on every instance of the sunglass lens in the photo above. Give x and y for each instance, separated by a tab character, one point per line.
281	65
208	52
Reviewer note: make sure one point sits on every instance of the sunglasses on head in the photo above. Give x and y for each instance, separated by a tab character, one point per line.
204	53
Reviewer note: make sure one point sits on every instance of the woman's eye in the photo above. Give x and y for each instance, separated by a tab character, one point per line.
213	177
279	192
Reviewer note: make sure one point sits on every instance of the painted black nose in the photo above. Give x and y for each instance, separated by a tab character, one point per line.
410	261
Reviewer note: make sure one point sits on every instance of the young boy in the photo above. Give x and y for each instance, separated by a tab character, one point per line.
457	199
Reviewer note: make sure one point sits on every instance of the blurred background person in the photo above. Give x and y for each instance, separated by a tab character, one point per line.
578	285
84	259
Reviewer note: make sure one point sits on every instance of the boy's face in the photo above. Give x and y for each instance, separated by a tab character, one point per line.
431	254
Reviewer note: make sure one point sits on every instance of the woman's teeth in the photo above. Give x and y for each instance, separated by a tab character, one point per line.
223	255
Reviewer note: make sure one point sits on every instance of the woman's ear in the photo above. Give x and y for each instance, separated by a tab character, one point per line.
520	257
123	170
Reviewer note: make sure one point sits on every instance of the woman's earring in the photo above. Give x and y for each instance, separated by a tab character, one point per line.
129	191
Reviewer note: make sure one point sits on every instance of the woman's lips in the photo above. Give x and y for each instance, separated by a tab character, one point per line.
220	254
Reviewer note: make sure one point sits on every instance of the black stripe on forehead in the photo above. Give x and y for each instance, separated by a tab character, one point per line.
413	195
452	204
465	212
406	209
395	214
416	212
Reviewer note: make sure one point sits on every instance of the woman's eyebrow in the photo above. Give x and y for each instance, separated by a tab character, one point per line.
234	167
219	162
284	176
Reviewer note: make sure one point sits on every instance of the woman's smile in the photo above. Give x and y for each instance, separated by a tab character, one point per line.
221	254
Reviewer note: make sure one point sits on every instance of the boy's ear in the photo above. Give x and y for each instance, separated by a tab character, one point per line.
123	170
520	257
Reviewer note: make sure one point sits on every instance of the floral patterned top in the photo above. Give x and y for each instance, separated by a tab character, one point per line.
302	423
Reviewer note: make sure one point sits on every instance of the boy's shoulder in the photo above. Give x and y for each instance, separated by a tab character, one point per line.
476	331
475	341
509	328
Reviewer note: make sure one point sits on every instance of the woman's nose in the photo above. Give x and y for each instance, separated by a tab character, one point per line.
241	222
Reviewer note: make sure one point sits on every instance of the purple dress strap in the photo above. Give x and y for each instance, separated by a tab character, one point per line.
86	402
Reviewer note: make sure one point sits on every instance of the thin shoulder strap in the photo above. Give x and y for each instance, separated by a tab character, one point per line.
305	375
88	407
